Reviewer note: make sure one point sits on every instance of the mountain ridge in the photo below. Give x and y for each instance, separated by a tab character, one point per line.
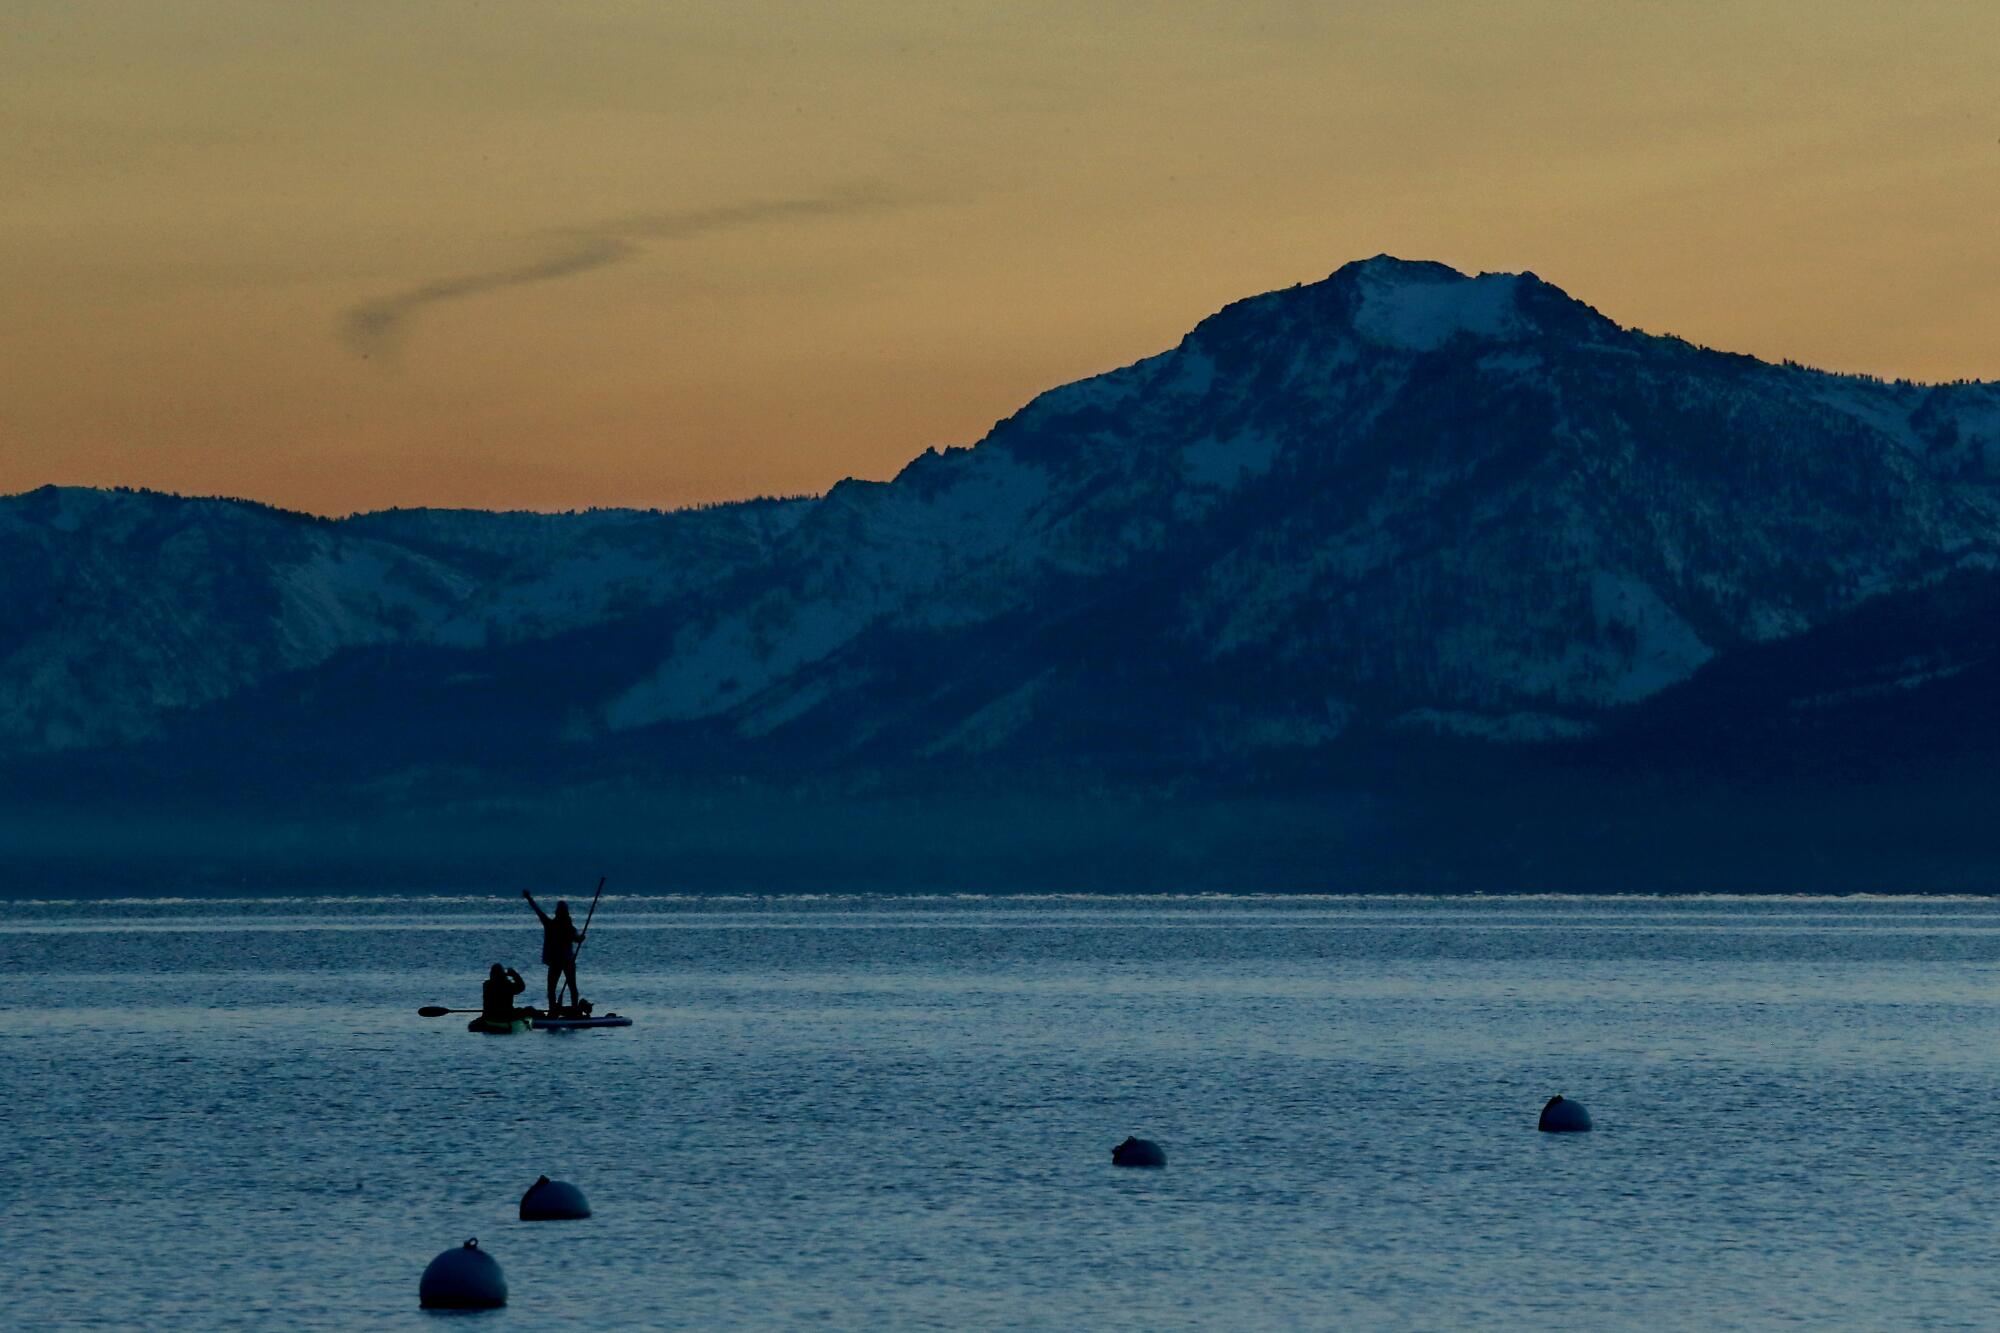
1398	508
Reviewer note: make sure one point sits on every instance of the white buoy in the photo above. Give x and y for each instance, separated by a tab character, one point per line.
1138	1152
1563	1116
467	1278
553	1201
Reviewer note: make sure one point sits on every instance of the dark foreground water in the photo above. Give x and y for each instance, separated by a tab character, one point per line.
890	1113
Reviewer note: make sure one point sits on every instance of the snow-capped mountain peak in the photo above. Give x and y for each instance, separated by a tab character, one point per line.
1420	307
1399	496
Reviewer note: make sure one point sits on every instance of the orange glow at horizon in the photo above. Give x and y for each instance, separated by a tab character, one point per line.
521	255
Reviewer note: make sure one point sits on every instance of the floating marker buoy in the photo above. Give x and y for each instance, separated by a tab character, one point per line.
1138	1152
1563	1116
553	1201
467	1278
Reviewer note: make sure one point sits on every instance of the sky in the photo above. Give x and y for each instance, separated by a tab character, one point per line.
527	254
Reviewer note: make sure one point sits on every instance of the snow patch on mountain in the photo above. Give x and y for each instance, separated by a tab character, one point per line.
784	703
1879	406
1293	731
1878	689
987	503
1664	649
1421	312
577	590
1511	363
993	725
719	667
1514	728
348	594
1766	622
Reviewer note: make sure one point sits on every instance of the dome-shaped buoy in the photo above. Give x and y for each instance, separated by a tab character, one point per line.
553	1201
467	1278
1138	1152
1563	1116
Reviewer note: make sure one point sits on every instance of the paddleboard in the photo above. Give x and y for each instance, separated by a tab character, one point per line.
575	1024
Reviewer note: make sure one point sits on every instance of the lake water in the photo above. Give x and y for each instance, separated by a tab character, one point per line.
898	1113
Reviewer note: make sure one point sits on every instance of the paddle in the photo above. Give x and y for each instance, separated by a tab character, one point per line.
584	934
439	1011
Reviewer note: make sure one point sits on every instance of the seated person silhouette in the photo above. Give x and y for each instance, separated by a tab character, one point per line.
496	996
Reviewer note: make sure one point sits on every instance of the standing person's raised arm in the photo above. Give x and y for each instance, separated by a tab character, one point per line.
537	906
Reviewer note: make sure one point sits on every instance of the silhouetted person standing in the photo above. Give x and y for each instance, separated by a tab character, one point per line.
496	996
559	940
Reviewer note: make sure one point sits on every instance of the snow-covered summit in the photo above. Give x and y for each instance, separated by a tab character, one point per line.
1420	307
1399	309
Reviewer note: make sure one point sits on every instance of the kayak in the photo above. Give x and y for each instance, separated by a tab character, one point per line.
577	1024
495	1027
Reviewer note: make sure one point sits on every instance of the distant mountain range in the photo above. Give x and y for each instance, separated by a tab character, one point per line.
1400	579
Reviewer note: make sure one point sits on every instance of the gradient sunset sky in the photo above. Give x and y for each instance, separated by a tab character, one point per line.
554	253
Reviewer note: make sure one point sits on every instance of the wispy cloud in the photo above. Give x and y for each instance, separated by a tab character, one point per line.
376	328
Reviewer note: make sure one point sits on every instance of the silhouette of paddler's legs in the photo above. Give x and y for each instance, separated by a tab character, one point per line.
559	973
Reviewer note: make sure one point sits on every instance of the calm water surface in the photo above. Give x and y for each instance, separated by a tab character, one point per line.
898	1113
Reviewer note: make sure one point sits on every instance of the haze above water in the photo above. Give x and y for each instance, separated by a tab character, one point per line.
898	1112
